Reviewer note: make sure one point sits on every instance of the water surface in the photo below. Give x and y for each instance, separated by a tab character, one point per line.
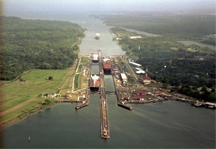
168	124
141	32
202	45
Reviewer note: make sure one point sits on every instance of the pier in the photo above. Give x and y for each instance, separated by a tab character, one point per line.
105	132
119	102
124	106
124	90
86	101
143	102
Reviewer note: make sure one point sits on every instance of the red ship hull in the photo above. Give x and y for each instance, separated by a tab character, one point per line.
107	66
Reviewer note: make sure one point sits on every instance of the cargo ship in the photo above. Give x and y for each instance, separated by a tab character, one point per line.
95	57
106	65
97	36
94	82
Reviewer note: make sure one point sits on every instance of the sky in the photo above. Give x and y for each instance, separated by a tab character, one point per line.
107	5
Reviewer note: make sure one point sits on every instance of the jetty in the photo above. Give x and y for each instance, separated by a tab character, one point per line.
84	102
124	106
105	132
119	102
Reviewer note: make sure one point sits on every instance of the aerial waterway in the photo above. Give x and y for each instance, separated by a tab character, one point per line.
169	124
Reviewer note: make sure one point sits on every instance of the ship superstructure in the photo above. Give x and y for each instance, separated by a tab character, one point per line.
95	57
94	82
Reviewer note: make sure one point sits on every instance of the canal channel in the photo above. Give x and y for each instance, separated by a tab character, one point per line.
169	124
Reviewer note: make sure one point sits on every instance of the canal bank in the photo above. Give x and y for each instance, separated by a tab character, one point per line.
168	124
134	129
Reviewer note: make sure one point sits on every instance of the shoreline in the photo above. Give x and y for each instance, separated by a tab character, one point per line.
16	120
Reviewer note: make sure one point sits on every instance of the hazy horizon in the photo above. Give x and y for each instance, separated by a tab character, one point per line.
13	7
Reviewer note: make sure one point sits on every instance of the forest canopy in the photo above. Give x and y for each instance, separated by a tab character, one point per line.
191	27
197	25
184	68
40	44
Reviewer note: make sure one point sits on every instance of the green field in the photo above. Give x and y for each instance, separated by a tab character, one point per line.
77	81
80	69
18	93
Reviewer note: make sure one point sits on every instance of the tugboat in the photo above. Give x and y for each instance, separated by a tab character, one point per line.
197	104
97	36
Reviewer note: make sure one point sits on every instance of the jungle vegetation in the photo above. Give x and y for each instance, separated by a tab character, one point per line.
185	68
187	27
37	44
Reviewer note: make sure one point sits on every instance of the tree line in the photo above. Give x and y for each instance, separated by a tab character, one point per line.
36	44
190	27
173	64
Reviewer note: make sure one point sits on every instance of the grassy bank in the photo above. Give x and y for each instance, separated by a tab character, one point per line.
20	98
77	81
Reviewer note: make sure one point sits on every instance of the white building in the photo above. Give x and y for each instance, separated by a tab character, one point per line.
50	95
139	71
133	63
124	77
135	37
136	64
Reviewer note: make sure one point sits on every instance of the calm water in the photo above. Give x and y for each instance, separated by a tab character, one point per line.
95	68
202	45
141	32
161	125
105	43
